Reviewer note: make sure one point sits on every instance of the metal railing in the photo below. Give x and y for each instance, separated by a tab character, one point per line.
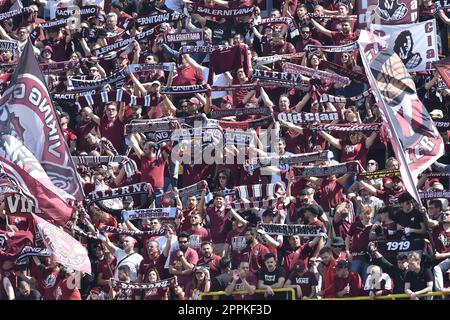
243	292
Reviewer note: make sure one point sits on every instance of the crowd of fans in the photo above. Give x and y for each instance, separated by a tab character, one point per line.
210	246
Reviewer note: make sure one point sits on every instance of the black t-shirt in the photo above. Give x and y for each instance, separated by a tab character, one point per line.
419	280
34	295
410	220
220	31
270	278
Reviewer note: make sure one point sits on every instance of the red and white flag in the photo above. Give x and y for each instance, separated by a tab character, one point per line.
63	247
415	138
33	151
12	243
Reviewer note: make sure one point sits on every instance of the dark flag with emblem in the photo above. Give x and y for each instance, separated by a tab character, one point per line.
33	151
415	138
12	243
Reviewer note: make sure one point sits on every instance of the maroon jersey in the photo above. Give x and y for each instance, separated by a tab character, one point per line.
305	281
236	241
441	238
149	263
196	237
331	194
252	280
291	257
219	224
81	130
389	196
354	281
360	239
107	270
255	256
213	264
113	131
340	39
186	76
191	256
351	152
64	293
47	282
152	171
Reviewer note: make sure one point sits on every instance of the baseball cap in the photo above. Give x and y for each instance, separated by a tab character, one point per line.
437	113
155	82
194	100
342	264
300	265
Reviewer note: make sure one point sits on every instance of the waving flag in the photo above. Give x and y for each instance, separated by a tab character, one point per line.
12	243
33	151
443	68
63	247
415	139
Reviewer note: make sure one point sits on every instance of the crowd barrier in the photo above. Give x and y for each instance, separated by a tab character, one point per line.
288	291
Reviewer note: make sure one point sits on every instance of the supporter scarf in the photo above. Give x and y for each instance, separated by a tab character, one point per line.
285	84
54	24
105	144
85	12
155	19
29	251
132	233
306	117
13	13
294	159
220	113
326	170
379	174
330	98
158	213
277	57
79	84
315	16
137	188
293	29
276	77
58	67
152	125
315	74
201	49
197	88
123	43
195	134
400	245
344	71
223	12
443	123
6	45
166	283
254	204
435	175
234	87
292	229
347	127
254	191
245	125
191	190
113	96
239	138
165	66
160	136
80	232
184	37
350	47
93	160
5	66
72	96
434	194
442	5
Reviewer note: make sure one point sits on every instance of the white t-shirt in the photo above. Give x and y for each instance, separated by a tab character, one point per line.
276	177
133	261
218	80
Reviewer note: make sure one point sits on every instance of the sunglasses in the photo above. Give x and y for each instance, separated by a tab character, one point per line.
183	241
372	164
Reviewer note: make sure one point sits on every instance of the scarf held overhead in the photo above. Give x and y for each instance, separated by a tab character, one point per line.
137	188
292	229
158	213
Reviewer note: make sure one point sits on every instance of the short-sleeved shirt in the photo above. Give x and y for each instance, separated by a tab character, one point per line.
113	131
219	224
270	278
191	256
410	220
418	281
131	260
305	281
255	256
252	280
353	280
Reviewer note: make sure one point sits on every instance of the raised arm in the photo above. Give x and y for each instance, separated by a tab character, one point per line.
92	115
321	29
335	142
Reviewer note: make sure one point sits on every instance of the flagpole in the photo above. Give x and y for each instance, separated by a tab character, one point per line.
401	154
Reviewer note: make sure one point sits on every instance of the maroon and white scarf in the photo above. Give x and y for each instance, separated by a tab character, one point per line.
315	74
84	12
220	113
353	75
435	175
379	174
278	77
307	117
234	87
266	203
81	84
121	44
244	125
293	29
94	160
158	213
314	16
166	283
113	96
294	159
239	138
13	13
132	233
196	88
292	229
137	188
165	66
277	57
6	45
326	170
347	127
350	47
191	190
156	19
222	12
434	194
55	23
254	191
334	99
184	37
59	67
